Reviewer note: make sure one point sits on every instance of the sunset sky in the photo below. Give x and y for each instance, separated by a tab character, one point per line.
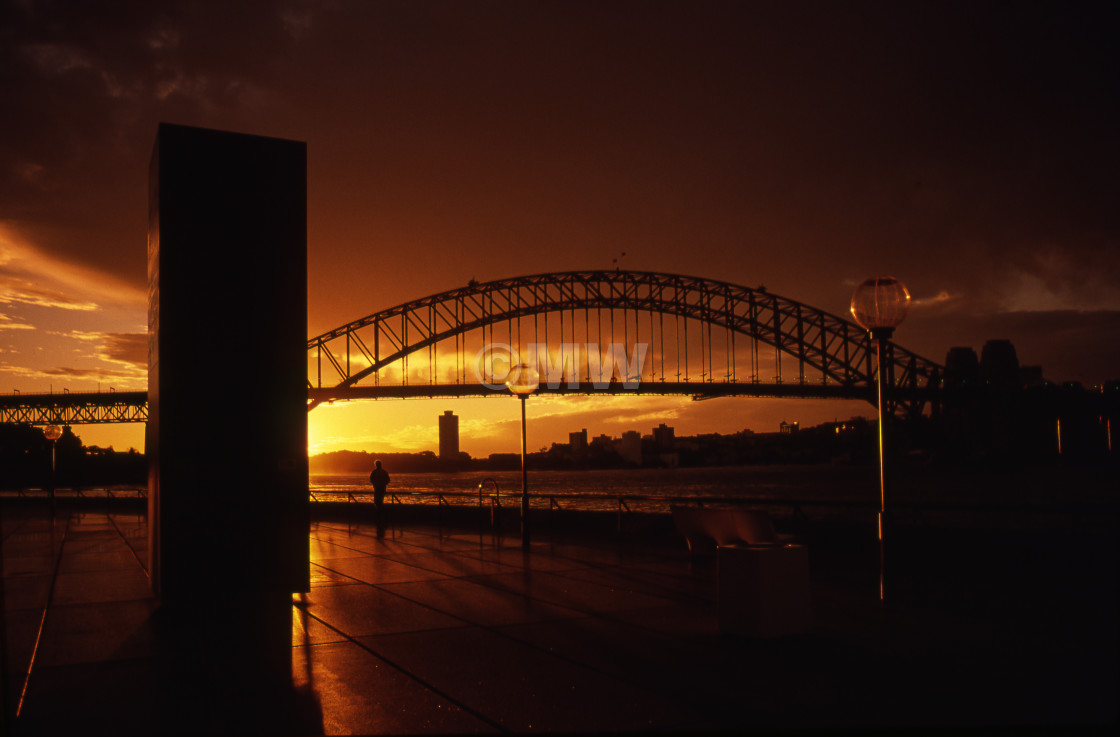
968	148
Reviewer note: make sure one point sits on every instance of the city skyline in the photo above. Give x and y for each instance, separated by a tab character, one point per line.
967	150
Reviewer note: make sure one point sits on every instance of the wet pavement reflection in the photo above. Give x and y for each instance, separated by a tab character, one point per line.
429	630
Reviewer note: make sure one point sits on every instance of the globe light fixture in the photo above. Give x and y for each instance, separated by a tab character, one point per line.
52	433
523	381
879	305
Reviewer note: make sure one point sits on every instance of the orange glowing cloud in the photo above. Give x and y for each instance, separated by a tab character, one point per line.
30	276
65	320
941	298
7	322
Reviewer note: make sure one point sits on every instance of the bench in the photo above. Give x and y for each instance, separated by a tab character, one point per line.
705	528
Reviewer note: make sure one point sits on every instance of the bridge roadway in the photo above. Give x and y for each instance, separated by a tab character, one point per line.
84	408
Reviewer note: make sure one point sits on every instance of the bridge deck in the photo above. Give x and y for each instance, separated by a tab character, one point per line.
74	408
696	389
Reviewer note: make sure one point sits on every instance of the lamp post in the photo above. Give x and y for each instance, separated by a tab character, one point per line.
522	382
52	433
879	305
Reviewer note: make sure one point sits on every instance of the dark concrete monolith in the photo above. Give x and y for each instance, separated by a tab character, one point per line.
227	371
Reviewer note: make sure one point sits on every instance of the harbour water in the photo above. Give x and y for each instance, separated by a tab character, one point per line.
643	489
1033	497
997	495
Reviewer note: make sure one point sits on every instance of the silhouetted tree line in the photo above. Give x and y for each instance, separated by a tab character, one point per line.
25	461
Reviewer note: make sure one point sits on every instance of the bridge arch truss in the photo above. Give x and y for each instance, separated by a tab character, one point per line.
713	334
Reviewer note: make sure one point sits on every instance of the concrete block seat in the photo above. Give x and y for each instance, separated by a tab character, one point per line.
706	528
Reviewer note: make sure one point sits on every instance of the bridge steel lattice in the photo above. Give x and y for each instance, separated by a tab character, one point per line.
737	332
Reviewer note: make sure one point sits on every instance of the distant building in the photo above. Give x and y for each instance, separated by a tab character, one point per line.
663	438
603	441
788	428
962	367
448	435
999	365
630	447
1030	377
577	441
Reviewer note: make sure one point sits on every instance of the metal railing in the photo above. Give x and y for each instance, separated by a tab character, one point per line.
801	510
918	513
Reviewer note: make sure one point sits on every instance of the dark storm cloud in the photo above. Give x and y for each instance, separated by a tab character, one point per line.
967	147
959	144
987	152
1069	345
89	82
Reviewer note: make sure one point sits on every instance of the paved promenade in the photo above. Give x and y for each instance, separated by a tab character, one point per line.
460	631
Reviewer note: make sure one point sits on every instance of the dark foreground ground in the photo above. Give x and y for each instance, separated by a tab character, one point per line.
435	628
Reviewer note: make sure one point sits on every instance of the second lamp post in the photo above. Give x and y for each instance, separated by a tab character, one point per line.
523	381
879	304
52	432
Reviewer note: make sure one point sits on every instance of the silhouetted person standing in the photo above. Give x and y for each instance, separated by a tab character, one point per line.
379	477
380	480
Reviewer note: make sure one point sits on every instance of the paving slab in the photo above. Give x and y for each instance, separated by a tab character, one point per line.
377	570
99	632
476	603
525	688
360	610
359	693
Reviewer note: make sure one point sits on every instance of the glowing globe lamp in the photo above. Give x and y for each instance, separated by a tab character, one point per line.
523	380
52	432
880	303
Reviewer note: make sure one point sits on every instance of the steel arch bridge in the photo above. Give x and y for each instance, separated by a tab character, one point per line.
738	337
